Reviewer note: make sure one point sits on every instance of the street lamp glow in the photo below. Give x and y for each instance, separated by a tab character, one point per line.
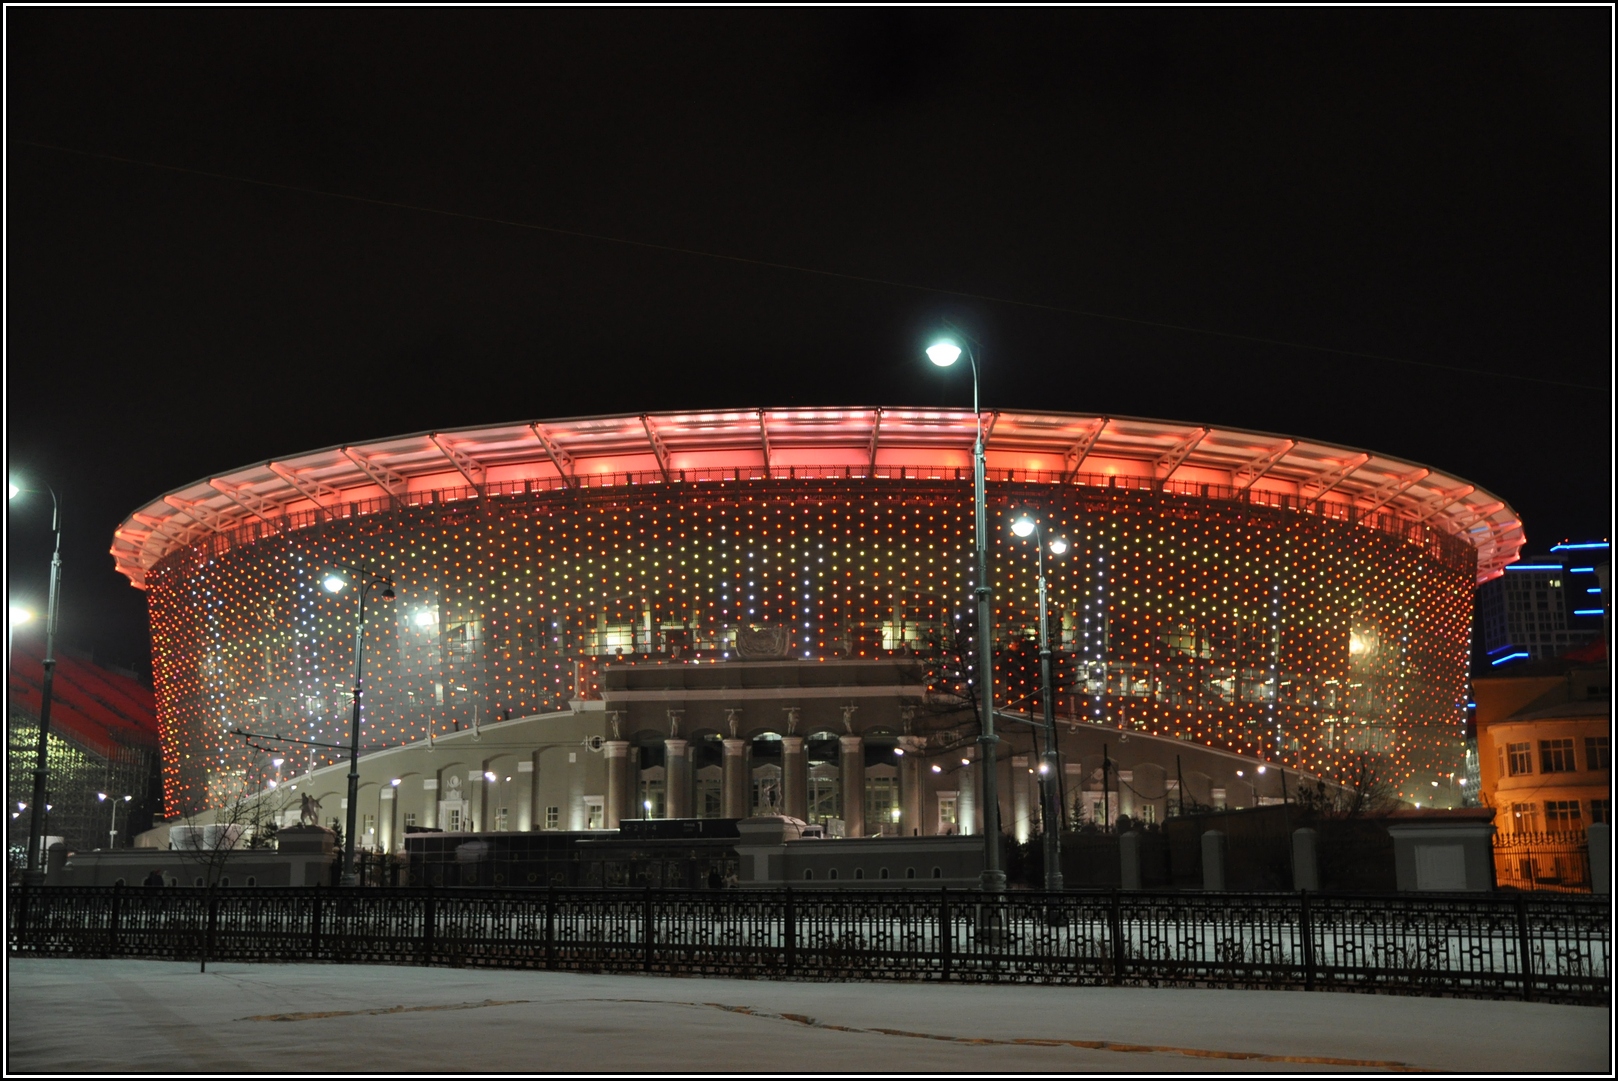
943	353
1058	546
1023	526
488	775
20	615
333	583
424	618
276	762
11	490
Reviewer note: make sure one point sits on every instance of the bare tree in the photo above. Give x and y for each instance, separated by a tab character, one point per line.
1363	792
235	826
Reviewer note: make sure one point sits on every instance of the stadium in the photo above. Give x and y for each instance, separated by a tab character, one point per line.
1267	598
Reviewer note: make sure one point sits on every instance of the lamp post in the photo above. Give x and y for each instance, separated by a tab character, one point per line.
113	843
35	874
944	353
335	583
1049	813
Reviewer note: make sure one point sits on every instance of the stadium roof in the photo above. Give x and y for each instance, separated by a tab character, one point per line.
99	709
741	444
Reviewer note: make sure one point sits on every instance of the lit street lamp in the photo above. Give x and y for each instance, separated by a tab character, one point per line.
113	843
336	583
35	875
944	352
1050	815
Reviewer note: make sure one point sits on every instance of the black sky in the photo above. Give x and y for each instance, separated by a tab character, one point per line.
1425	184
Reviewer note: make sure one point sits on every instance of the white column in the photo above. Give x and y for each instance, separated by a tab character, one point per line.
736	793
524	795
618	790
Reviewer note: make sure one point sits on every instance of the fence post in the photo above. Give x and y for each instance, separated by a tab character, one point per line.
429	920
314	926
1116	918
790	933
1306	929
550	926
944	932
1525	959
112	921
646	930
22	916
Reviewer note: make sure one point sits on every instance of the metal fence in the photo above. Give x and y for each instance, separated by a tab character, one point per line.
1551	948
1542	861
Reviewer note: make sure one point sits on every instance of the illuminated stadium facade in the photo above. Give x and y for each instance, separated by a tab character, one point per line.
1291	601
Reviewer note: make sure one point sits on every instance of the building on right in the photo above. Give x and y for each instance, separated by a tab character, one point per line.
1545	605
1544	760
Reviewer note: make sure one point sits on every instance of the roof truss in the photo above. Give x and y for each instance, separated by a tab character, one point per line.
312	489
763	437
1250	472
249	500
1078	452
560	458
200	513
1390	491
1176	455
468	466
876	431
386	479
1318	485
659	449
1443	501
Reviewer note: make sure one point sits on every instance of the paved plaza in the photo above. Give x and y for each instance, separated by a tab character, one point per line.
72	1016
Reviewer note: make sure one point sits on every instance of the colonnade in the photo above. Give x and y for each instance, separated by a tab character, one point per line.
736	783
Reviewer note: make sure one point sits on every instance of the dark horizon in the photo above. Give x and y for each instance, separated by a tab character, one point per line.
794	200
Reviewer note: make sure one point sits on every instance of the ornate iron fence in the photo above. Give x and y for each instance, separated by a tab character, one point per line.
1542	861
1551	948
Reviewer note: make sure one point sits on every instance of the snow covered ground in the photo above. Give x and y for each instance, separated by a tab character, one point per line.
70	1016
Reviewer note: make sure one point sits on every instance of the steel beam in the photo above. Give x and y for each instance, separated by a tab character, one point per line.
876	430
386	479
203	515
1441	502
250	500
764	438
463	462
1252	471
1078	452
1390	491
660	450
312	489
560	458
1313	488
1175	456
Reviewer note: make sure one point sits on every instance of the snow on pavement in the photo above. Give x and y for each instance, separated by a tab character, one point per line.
129	1016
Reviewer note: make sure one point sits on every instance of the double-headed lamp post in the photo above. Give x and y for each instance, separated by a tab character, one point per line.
1050	815
944	352
102	796
336	583
36	826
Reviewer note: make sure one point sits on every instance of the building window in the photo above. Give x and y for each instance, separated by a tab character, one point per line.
832	873
938	872
1524	818
252	880
1556	756
1519	759
1146	812
501	818
595	811
859	872
1598	752
808	873
553	818
409	820
910	872
884	873
1562	815
368	826
1601	811
948	813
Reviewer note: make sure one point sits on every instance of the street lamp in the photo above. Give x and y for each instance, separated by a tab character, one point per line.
945	352
113	843
35	874
1050	815
335	582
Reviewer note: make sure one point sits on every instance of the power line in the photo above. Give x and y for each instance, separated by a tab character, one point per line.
817	271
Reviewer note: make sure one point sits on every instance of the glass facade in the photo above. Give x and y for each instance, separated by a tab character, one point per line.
1294	636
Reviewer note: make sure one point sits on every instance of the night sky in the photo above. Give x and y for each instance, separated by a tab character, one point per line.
1422	196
